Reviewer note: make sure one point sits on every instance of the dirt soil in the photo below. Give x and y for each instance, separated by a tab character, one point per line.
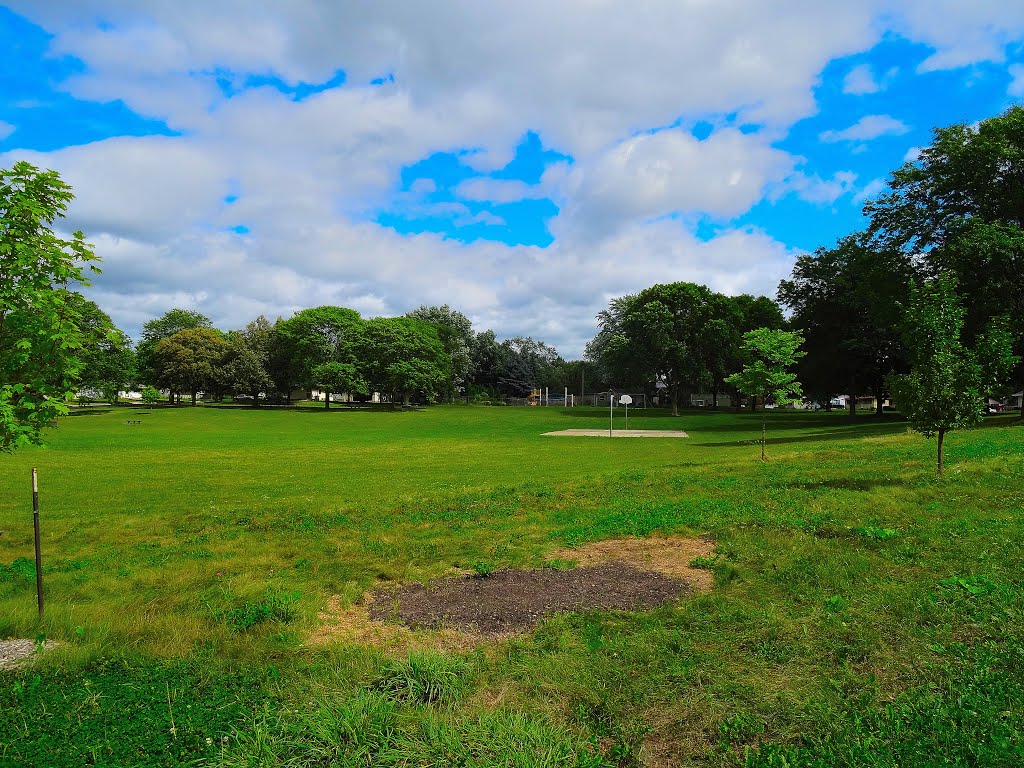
513	601
461	612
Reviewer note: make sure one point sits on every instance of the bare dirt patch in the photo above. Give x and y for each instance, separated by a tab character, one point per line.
512	601
461	612
616	433
17	652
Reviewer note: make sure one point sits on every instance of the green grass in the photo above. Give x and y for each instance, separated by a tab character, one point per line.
865	613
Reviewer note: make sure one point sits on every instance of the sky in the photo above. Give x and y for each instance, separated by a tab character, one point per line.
523	162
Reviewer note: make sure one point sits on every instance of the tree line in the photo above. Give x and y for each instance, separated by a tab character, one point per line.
430	354
949	228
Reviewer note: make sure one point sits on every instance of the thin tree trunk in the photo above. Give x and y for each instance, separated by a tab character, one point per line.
327	400
714	396
942	434
193	398
675	400
764	427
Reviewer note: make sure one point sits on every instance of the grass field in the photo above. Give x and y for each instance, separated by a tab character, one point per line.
864	612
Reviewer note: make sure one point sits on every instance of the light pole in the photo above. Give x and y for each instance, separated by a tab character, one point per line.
611	410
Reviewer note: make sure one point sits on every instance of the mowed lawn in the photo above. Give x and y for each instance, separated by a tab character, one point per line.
864	612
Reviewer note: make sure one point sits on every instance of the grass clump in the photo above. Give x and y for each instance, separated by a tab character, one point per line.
274	606
424	678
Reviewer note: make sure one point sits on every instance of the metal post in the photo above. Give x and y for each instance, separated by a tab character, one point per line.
565	398
39	556
627	415
611	411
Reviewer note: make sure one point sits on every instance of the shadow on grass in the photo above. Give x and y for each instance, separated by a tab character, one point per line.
841	432
850	483
312	409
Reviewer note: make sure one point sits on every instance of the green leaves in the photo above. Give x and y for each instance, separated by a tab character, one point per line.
769	353
40	334
947	380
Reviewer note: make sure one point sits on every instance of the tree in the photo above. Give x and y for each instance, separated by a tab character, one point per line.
108	361
660	335
455	331
190	360
158	329
40	339
403	355
769	353
959	208
844	302
947	380
313	337
246	364
336	378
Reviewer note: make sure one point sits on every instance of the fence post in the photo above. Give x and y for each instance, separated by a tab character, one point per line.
35	526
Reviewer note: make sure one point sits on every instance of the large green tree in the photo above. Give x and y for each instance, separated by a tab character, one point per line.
948	377
158	329
40	337
455	331
245	368
402	356
191	360
313	337
844	301
661	334
959	208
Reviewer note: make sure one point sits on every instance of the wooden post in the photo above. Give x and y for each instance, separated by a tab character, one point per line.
39	557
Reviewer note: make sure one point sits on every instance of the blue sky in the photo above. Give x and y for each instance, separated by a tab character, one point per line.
521	162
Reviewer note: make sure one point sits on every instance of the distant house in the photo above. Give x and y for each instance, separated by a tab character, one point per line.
1015	400
340	397
708	401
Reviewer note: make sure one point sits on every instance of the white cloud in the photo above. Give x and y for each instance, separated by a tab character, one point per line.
653	175
912	154
6	129
816	190
871	190
860	80
960	33
1017	82
867	128
596	80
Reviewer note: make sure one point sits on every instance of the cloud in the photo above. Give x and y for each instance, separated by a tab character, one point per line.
596	81
959	33
860	80
6	129
871	190
654	175
816	190
1016	87
867	128
912	154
